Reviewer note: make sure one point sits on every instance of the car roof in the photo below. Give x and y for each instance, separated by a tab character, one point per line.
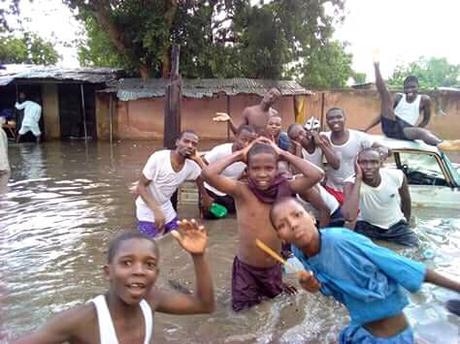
405	145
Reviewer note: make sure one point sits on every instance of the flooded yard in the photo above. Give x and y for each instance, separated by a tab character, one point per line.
63	203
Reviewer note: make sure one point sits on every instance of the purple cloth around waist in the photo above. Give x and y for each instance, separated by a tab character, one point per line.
251	284
149	228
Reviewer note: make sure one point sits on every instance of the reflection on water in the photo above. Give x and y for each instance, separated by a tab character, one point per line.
66	200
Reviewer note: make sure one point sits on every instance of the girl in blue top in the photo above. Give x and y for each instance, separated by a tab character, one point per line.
366	278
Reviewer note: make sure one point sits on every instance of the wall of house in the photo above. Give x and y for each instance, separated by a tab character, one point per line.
50	111
144	118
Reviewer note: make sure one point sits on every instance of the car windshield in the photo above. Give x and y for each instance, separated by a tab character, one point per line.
423	163
454	171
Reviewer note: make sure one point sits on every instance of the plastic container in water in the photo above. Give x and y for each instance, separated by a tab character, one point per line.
218	210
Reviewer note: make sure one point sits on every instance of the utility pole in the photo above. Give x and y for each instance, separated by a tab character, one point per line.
172	108
172	113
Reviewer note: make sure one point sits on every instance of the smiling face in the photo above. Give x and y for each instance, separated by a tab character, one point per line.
244	138
411	90
293	223
370	162
299	135
133	269
262	169
335	120
186	145
274	125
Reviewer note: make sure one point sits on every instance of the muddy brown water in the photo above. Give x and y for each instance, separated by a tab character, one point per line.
63	203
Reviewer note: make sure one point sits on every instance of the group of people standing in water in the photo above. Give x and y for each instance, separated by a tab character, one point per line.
275	182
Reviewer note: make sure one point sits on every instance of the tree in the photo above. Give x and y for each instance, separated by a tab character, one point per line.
28	48
218	38
328	66
431	73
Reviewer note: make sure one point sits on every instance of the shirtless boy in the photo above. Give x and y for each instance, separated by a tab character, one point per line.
124	314
255	274
257	115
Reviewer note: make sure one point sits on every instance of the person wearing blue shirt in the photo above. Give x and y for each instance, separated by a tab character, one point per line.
369	280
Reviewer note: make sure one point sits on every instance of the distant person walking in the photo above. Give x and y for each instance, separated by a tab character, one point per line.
4	164
32	114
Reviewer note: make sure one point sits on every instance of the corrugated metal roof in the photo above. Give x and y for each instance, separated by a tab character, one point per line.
130	89
30	72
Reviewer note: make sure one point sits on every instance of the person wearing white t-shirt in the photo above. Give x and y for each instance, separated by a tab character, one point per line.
162	175
383	198
244	136
312	145
32	114
346	143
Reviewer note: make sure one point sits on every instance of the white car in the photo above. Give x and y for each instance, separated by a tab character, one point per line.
434	181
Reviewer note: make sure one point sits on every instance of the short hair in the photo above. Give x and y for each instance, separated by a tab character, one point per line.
291	128
128	235
335	109
369	149
245	127
259	148
187	131
411	78
278	202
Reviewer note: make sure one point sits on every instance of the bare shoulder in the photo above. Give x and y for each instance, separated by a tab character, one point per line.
77	325
426	100
80	319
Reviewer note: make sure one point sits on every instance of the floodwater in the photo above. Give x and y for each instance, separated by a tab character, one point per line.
64	202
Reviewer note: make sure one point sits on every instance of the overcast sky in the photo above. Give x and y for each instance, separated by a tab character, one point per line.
403	30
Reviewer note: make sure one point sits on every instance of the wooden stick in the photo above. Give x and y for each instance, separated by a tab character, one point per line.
273	254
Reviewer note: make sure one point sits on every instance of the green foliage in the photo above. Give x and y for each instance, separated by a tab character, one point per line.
328	66
359	78
29	48
218	38
431	73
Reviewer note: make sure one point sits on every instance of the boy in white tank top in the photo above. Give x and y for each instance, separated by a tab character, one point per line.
400	116
383	199
125	312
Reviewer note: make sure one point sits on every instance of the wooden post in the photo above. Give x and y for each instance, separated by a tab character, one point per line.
84	111
111	118
228	124
172	114
323	96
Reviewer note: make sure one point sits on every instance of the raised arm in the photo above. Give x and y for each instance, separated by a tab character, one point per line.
325	145
225	117
379	82
426	111
405	199
351	193
212	173
311	174
193	239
